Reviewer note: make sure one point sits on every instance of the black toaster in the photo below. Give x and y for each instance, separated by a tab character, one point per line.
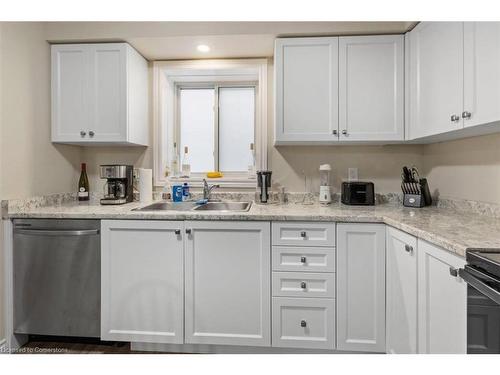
358	193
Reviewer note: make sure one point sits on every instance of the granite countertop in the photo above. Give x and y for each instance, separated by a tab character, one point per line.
448	228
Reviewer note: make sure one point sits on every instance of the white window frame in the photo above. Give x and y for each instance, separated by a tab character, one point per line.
169	75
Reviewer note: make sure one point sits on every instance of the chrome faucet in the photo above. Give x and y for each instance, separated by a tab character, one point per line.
208	189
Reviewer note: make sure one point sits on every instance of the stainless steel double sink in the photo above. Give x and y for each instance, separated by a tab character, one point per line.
192	206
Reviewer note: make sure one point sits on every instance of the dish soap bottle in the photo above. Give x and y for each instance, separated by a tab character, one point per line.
186	167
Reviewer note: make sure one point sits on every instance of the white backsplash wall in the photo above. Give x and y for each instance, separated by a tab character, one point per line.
465	169
378	164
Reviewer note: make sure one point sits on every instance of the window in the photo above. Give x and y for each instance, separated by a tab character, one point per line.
216	108
217	124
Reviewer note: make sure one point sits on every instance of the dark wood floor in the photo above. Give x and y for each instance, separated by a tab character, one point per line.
57	345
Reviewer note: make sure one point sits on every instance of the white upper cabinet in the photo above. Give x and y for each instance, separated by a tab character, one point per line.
306	89
481	73
436	78
371	88
361	287
228	283
454	80
99	94
442	302
401	292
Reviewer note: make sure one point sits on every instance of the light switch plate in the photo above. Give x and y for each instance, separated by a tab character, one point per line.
352	174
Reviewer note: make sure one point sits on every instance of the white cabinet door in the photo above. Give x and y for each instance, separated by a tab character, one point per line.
70	92
361	287
371	88
306	92
401	292
228	286
142	287
481	73
99	94
442	302
436	78
109	92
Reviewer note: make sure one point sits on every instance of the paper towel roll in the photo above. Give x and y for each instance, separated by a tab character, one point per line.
145	185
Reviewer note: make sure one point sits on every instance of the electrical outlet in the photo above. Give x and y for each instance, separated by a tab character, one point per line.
352	174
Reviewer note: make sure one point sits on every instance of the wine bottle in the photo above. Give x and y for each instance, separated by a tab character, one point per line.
175	162
83	184
186	167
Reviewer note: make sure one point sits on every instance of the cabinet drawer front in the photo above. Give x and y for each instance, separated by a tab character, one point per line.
302	284
311	259
304	234
304	323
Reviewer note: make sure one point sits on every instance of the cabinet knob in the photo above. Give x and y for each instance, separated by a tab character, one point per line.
303	234
466	115
454	118
409	249
303	259
303	323
82	133
91	133
344	132
334	131
188	231
303	285
453	272
177	231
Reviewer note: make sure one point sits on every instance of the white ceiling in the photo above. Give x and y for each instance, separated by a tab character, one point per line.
178	40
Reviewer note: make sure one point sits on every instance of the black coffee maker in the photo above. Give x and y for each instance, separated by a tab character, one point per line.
264	184
118	188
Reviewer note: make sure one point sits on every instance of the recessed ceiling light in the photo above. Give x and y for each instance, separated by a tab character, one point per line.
203	48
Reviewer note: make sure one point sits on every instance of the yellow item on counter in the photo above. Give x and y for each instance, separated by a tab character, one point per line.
214	174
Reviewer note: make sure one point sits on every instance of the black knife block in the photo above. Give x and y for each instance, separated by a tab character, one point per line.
416	194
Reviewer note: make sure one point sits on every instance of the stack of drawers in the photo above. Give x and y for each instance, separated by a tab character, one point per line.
303	285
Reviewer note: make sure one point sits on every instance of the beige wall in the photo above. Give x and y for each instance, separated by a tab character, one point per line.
29	163
465	169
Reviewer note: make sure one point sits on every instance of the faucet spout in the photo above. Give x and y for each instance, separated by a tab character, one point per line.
207	189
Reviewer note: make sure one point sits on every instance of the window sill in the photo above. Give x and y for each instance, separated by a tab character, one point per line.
224	182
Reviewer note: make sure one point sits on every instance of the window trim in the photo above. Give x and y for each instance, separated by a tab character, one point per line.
168	75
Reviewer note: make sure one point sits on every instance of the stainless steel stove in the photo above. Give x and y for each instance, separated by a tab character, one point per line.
482	274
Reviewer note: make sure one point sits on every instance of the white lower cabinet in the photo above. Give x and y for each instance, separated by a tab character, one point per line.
401	292
442	302
228	283
142	281
304	323
361	287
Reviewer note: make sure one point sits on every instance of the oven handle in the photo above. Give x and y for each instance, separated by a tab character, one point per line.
49	232
479	285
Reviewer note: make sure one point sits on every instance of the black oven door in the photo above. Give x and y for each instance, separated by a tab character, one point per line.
483	312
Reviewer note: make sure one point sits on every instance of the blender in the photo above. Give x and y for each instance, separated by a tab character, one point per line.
325	196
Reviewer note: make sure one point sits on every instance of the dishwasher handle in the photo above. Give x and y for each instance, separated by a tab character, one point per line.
51	232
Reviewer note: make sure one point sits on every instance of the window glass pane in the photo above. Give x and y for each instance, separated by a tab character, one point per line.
236	127
197	128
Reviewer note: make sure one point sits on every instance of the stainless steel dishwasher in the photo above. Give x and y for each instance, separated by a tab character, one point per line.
57	277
